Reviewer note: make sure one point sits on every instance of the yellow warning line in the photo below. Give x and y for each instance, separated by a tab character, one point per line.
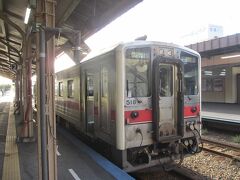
11	169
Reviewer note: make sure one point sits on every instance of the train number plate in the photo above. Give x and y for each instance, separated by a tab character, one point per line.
137	102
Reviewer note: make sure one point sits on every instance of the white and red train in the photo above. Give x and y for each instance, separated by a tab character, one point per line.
141	98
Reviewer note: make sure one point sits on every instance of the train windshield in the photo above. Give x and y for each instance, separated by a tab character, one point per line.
137	72
190	74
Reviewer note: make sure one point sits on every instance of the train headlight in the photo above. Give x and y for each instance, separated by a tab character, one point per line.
134	114
193	109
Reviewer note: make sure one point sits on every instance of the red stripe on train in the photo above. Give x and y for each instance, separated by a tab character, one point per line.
143	116
146	115
191	111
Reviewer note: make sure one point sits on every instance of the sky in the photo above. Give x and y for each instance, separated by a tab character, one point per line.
163	20
169	21
63	61
4	80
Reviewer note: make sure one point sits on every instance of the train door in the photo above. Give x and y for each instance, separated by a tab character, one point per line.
105	100
167	99
90	103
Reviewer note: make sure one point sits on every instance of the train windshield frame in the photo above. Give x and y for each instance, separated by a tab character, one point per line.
138	63
191	75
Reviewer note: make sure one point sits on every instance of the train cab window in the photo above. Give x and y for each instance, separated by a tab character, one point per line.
190	74
137	72
90	91
166	76
70	88
60	89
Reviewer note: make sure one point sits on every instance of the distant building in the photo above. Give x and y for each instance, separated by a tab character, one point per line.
204	33
214	31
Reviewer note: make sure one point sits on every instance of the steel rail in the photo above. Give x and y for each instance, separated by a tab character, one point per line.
221	145
237	158
189	173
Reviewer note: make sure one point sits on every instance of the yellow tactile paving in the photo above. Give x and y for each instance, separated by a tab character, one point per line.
11	170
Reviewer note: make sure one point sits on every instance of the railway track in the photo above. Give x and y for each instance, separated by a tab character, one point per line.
187	173
228	150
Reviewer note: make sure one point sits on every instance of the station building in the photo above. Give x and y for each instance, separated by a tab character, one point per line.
220	69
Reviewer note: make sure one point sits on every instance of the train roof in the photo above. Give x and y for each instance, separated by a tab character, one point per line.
123	45
135	43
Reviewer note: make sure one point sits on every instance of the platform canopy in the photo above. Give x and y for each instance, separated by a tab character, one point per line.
86	16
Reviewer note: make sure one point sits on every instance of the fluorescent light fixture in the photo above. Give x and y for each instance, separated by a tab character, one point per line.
27	15
232	56
208	72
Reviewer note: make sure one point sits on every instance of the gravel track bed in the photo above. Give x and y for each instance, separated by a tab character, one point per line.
214	166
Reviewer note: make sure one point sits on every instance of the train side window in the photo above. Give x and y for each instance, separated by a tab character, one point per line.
218	84
104	84
60	89
70	87
190	73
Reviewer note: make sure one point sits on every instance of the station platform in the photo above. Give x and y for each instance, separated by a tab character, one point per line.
18	161
229	113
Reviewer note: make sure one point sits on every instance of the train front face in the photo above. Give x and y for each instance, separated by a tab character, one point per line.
162	104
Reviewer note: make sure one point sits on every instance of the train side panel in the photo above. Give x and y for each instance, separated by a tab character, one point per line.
67	96
98	87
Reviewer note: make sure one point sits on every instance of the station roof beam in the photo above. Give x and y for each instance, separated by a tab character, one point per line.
218	46
85	16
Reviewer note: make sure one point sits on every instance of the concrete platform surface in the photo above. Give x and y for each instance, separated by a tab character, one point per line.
221	111
75	159
71	160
